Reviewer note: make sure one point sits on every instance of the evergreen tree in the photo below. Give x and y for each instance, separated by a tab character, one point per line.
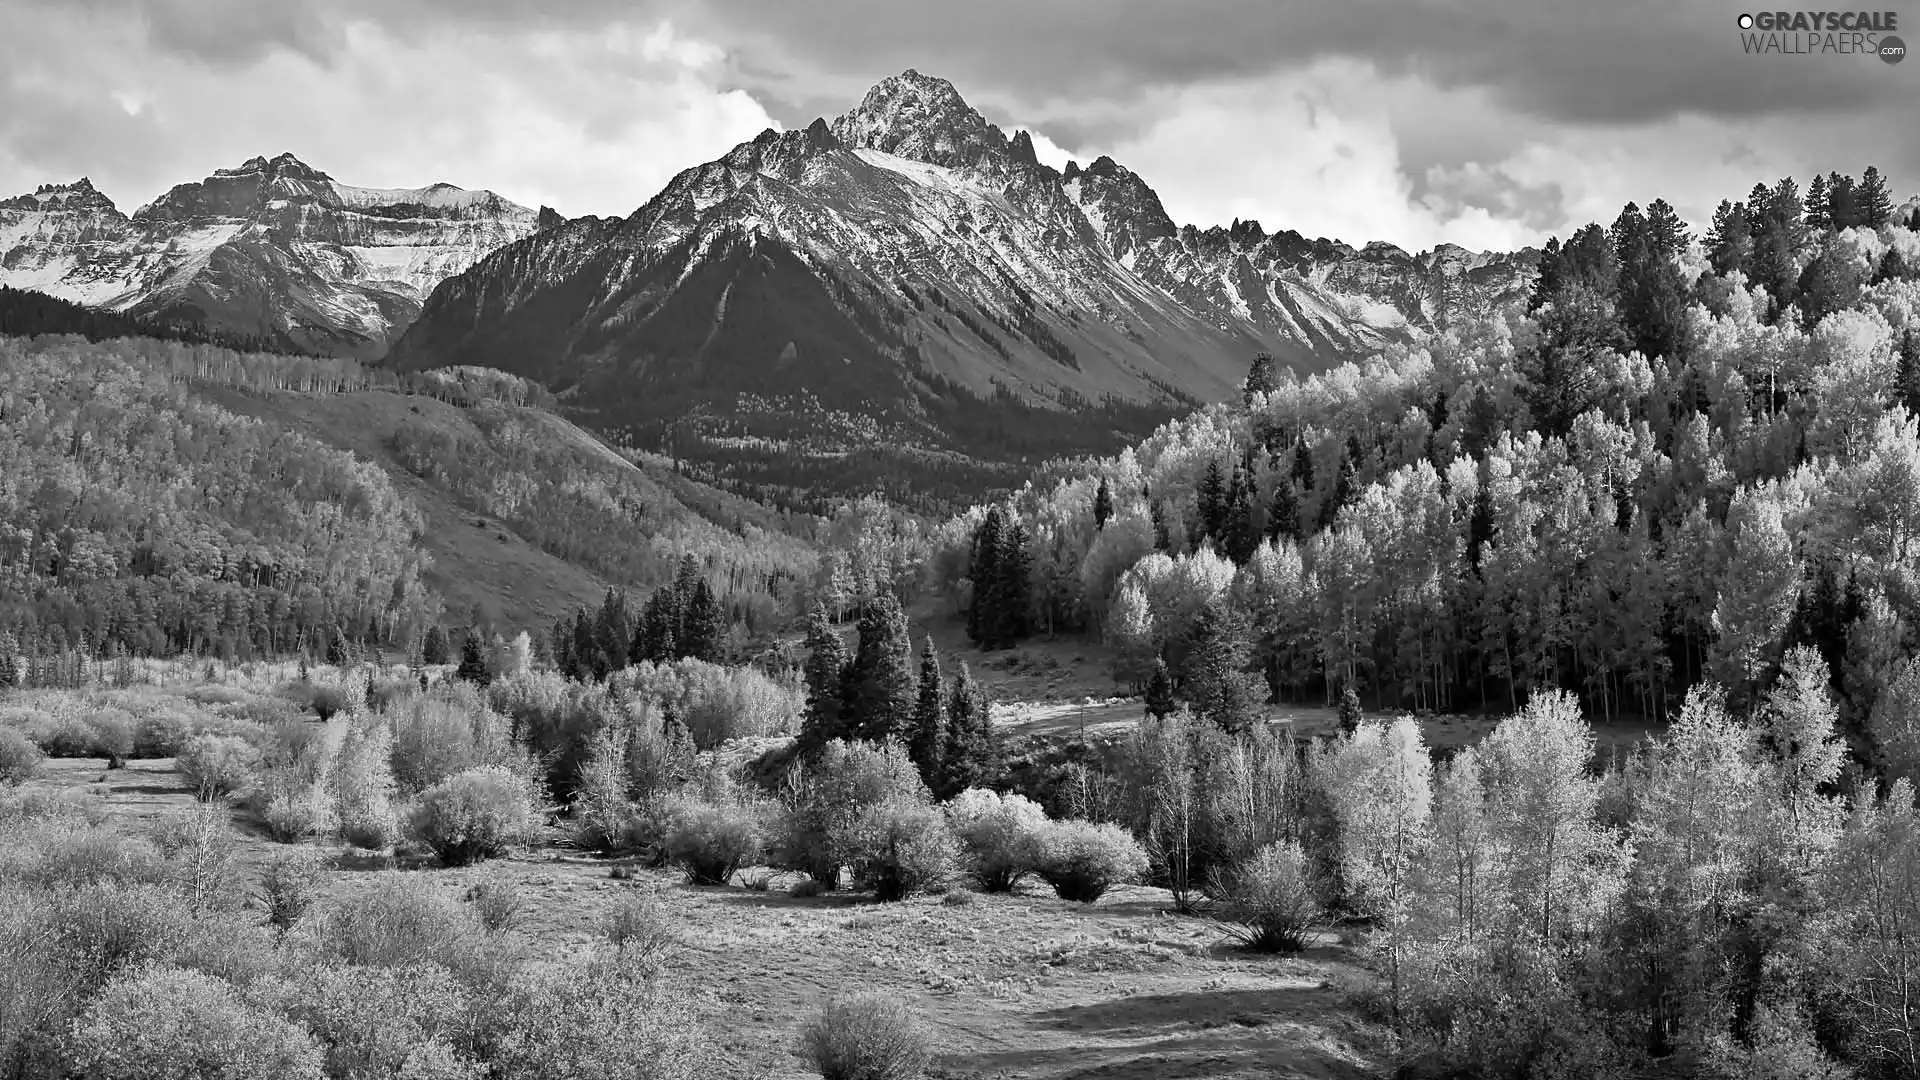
1875	203
881	677
1830	283
1345	487
927	742
1480	524
1102	506
1906	389
704	626
1730	244
826	674
1302	464
1162	536
658	636
590	664
1263	377
1012	593
473	665
1843	202
434	649
1213	502
983	612
339	650
613	632
1350	714
1892	267
1217	681
973	755
1283	516
1819	210
1160	699
9	663
1241	538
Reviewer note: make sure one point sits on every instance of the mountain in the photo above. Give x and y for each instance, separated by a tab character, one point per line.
274	251
907	296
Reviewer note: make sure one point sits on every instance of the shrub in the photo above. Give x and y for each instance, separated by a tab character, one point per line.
558	719
1000	837
958	897
903	848
444	734
602	1018
867	1037
806	888
638	931
200	847
216	766
717	702
497	904
289	885
323	700
112	736
396	920
711	841
162	1023
162	732
819	832
413	1022
296	811
1271	902
479	814
363	786
1082	860
19	758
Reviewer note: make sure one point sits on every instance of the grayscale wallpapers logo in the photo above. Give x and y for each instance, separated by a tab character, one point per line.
1839	33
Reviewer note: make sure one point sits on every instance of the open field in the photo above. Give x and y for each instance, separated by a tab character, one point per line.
1020	986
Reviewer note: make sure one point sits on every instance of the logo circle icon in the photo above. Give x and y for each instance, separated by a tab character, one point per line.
1746	22
1892	49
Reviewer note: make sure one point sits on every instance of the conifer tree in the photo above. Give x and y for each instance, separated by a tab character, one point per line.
1213	502
1875	203
973	755
826	673
983	612
926	744
881	680
1907	380
1283	516
1819	210
1302	464
1217	682
613	633
1843	202
590	664
9	663
1730	244
1263	377
1102	506
1160	700
1241	538
1162	536
1350	714
704	626
1012	594
473	664
434	649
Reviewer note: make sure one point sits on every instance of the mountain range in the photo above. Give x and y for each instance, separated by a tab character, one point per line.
903	296
272	251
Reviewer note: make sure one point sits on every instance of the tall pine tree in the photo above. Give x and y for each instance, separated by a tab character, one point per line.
927	742
826	674
1102	506
473	667
1012	593
881	680
1213	502
973	755
984	572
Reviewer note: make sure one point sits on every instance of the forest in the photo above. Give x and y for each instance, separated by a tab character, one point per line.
1687	457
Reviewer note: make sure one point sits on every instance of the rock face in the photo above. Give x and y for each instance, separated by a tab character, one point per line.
905	260
274	250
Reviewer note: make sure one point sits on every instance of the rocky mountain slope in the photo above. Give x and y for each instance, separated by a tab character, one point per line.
274	250
909	277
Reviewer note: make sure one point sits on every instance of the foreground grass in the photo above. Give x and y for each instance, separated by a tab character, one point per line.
1012	986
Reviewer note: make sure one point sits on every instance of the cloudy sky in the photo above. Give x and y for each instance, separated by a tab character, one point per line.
1488	123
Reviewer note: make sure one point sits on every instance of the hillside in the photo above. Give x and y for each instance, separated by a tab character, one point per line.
497	507
906	295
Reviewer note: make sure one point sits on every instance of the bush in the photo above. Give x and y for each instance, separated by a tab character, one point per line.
820	830
161	733
323	700
1082	860
112	736
19	758
806	888
1271	902
412	1022
603	1018
397	920
867	1037
289	885
1000	837
162	1023
638	931
363	786
959	897
216	766
710	842
497	904
903	848
442	735
479	814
